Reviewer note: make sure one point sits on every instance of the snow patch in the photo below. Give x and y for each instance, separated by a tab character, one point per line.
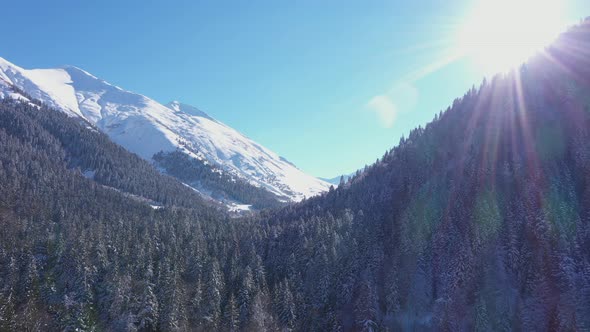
232	207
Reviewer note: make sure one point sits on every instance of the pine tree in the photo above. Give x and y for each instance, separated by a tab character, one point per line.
365	309
245	296
231	315
286	307
147	317
212	293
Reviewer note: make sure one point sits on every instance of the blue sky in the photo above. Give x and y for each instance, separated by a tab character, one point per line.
312	80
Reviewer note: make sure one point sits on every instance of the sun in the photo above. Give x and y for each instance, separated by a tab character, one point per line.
501	34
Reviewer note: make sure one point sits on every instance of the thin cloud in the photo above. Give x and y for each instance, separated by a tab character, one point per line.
402	97
433	67
385	110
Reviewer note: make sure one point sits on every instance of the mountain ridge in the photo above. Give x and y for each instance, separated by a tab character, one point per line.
146	127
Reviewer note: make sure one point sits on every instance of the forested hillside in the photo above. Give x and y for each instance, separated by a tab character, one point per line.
479	220
214	182
84	150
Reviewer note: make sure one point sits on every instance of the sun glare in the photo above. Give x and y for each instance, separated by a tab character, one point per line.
501	34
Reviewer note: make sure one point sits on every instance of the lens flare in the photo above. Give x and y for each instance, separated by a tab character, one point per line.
501	34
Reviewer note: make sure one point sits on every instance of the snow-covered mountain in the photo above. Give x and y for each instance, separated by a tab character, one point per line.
146	127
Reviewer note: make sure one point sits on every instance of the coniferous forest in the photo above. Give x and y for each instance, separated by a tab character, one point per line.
477	221
222	185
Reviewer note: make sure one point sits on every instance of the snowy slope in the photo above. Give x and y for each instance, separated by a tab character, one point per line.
146	127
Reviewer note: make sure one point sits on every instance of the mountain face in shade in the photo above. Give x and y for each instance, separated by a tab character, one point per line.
146	127
477	221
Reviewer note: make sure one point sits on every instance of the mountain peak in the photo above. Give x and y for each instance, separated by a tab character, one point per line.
146	127
73	69
188	109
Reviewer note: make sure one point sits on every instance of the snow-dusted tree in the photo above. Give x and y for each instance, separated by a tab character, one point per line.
285	304
231	316
245	296
365	306
147	317
212	294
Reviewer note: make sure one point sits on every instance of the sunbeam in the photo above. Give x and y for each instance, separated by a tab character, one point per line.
495	38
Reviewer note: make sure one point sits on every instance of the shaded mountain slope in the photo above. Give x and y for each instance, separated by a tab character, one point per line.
479	220
213	182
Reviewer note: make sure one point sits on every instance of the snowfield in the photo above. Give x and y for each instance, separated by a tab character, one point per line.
145	127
